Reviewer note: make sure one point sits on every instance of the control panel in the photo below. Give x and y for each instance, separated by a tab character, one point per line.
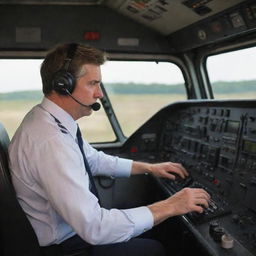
217	145
216	142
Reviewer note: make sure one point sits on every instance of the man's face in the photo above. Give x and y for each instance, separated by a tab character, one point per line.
88	89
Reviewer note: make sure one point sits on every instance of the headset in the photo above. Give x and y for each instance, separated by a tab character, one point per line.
63	81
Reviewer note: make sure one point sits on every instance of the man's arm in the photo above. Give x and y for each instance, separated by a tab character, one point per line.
164	170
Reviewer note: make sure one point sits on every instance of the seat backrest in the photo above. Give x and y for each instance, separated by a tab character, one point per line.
17	237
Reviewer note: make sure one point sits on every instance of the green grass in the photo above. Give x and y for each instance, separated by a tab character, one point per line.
131	110
134	110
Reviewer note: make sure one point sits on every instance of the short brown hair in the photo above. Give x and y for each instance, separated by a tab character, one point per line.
55	59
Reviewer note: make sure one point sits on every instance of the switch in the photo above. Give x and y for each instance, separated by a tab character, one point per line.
212	226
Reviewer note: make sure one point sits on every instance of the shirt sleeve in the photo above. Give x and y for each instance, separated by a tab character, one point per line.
142	217
107	165
66	186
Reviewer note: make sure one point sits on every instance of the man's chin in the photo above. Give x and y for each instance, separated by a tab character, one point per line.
88	111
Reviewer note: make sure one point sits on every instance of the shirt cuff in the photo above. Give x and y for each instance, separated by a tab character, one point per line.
124	167
142	218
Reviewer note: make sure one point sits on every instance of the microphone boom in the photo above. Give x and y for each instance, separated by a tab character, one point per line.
95	106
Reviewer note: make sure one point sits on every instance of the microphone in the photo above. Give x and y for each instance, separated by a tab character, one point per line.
95	106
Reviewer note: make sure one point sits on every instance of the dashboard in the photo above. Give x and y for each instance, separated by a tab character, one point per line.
216	142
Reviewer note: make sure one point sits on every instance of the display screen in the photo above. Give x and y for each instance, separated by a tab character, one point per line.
249	146
232	126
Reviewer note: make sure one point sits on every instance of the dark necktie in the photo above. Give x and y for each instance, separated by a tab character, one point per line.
87	167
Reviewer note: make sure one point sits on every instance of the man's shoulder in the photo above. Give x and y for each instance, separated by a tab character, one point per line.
37	125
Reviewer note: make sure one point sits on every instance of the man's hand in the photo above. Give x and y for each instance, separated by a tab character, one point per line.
168	170
162	170
184	201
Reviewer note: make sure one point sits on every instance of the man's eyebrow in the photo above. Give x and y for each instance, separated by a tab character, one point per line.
95	81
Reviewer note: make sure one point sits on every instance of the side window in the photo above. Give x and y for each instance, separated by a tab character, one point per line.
138	89
232	75
21	89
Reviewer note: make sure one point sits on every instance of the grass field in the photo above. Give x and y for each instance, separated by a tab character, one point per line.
131	110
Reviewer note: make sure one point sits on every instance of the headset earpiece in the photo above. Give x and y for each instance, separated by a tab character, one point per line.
63	81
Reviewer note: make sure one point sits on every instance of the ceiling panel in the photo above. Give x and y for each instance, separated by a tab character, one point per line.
168	16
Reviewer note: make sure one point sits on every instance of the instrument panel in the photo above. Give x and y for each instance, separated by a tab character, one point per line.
216	142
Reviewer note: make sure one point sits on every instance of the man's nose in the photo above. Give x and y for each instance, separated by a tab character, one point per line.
99	93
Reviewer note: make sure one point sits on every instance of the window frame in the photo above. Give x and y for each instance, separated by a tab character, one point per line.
204	54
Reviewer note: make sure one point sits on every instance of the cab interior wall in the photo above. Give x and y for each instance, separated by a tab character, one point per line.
70	25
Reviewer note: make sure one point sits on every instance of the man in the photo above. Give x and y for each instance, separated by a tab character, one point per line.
52	167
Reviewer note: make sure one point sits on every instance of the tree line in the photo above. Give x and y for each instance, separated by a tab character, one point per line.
133	88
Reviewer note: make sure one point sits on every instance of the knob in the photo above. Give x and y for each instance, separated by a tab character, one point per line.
218	232
212	226
227	241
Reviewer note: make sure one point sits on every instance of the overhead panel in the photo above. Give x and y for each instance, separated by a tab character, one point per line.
198	6
225	26
168	16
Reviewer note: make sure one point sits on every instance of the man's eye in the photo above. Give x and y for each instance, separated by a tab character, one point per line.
93	83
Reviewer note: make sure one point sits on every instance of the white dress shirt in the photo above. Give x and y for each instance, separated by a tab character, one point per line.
52	184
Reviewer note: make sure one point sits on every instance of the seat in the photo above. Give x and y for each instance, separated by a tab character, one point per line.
17	237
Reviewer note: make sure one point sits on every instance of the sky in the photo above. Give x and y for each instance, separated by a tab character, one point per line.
240	65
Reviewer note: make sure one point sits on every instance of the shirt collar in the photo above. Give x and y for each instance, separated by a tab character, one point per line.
59	113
